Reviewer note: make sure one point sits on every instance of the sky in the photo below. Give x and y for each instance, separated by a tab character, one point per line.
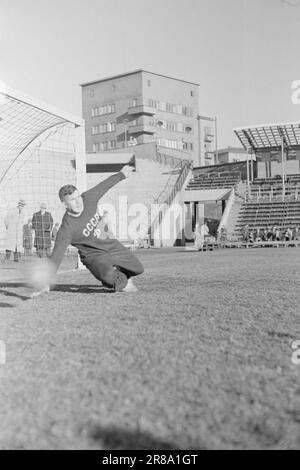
243	53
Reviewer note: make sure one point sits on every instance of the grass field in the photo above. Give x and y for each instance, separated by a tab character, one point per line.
199	358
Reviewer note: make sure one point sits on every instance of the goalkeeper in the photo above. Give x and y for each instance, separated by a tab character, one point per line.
107	259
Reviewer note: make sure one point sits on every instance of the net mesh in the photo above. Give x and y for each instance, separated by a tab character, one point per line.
37	154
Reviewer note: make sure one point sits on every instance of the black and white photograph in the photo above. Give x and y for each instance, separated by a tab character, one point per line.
149	227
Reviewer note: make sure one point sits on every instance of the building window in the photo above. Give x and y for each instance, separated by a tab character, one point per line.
187	111
96	147
149	82
172	144
162	106
104	128
134	102
113	88
153	104
171	108
192	93
105	109
107	145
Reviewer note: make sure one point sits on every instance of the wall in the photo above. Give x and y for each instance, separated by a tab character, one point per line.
142	187
101	93
292	167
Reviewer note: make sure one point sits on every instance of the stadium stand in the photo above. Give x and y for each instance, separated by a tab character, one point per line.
272	188
213	181
257	215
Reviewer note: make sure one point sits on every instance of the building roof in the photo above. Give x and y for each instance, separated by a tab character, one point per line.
220	167
232	150
269	136
39	105
133	73
24	123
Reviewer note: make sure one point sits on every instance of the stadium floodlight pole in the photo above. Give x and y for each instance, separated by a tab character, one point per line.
252	169
216	139
248	179
283	166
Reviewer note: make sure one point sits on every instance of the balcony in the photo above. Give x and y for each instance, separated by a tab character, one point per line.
141	129
209	155
142	109
209	138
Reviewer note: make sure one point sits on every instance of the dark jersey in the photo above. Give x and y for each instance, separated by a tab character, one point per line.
81	231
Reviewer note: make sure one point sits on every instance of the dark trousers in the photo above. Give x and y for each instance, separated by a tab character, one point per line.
43	252
115	268
17	255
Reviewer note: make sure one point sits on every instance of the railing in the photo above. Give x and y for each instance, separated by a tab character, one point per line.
257	194
168	194
223	174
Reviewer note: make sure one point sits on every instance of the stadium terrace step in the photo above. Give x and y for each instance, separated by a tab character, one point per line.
207	180
257	215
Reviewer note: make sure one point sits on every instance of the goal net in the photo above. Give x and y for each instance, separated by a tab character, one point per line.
41	149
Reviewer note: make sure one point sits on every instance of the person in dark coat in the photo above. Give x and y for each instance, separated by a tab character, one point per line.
42	224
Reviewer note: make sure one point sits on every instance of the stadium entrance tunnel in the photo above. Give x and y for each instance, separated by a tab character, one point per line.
207	206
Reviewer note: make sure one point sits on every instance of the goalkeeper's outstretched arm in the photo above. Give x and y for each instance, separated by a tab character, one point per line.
98	191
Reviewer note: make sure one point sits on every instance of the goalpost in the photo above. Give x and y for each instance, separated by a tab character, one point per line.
41	149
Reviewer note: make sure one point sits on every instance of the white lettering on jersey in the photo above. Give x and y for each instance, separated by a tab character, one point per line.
91	225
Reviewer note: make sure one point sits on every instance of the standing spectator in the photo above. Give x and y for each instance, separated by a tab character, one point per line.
265	235
42	223
260	235
28	238
14	222
288	235
251	236
204	230
198	237
278	235
223	236
270	234
296	233
245	233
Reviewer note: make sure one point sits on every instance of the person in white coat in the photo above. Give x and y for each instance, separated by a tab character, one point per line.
199	235
14	222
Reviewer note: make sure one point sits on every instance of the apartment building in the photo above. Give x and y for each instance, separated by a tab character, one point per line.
139	107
